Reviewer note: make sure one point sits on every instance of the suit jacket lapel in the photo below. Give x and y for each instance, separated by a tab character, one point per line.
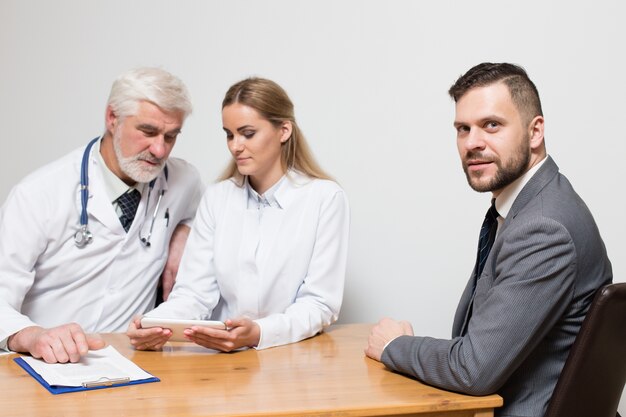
541	178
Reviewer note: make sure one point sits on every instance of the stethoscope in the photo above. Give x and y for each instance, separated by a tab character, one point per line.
83	236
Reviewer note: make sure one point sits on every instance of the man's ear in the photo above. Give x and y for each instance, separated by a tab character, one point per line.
535	132
111	120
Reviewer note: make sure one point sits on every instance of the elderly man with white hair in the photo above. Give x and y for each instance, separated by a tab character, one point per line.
86	238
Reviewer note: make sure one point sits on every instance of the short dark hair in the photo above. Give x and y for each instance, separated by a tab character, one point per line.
523	91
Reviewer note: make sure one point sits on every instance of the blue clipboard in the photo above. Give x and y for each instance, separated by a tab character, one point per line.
58	389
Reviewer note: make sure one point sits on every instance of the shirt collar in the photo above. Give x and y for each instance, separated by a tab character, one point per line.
113	185
507	197
268	199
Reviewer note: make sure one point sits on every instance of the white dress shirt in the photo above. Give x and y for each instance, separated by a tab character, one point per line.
279	259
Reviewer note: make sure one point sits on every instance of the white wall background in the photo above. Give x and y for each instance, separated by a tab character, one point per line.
369	80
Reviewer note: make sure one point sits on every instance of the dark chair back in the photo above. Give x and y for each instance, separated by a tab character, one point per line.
594	374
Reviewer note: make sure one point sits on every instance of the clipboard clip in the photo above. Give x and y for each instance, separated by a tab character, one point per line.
105	382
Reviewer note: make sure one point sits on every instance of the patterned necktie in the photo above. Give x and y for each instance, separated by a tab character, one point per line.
128	203
486	238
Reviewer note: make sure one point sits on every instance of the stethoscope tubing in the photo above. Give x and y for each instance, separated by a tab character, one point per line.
83	236
84	182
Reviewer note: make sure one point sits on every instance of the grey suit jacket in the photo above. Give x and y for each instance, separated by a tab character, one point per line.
538	282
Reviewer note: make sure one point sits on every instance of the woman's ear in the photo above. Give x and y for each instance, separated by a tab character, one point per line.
286	129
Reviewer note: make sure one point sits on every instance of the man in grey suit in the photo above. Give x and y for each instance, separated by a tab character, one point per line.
518	318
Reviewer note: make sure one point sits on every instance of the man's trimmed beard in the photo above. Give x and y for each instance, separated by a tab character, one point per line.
515	167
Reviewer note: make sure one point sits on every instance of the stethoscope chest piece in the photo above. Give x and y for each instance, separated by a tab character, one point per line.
83	237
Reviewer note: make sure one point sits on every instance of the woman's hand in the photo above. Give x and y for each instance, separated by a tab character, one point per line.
241	332
147	339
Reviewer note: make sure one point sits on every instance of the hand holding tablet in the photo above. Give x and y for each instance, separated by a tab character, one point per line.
177	326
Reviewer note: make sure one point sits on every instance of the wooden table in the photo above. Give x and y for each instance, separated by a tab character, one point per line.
327	375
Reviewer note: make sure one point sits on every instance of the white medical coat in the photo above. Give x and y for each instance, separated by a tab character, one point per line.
46	280
293	286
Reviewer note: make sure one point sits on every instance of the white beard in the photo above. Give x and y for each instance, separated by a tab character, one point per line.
133	166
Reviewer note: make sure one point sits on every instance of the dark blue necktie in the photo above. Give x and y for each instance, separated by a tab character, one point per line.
128	203
485	242
486	238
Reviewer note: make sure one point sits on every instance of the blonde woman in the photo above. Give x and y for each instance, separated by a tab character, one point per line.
267	252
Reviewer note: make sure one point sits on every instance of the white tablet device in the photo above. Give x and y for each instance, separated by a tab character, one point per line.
177	326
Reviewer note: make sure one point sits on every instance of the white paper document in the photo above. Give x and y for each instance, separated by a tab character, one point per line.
97	367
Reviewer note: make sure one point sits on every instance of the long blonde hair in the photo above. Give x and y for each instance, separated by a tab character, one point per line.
272	103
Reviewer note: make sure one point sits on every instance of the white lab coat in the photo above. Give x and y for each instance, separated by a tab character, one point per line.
292	286
46	280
